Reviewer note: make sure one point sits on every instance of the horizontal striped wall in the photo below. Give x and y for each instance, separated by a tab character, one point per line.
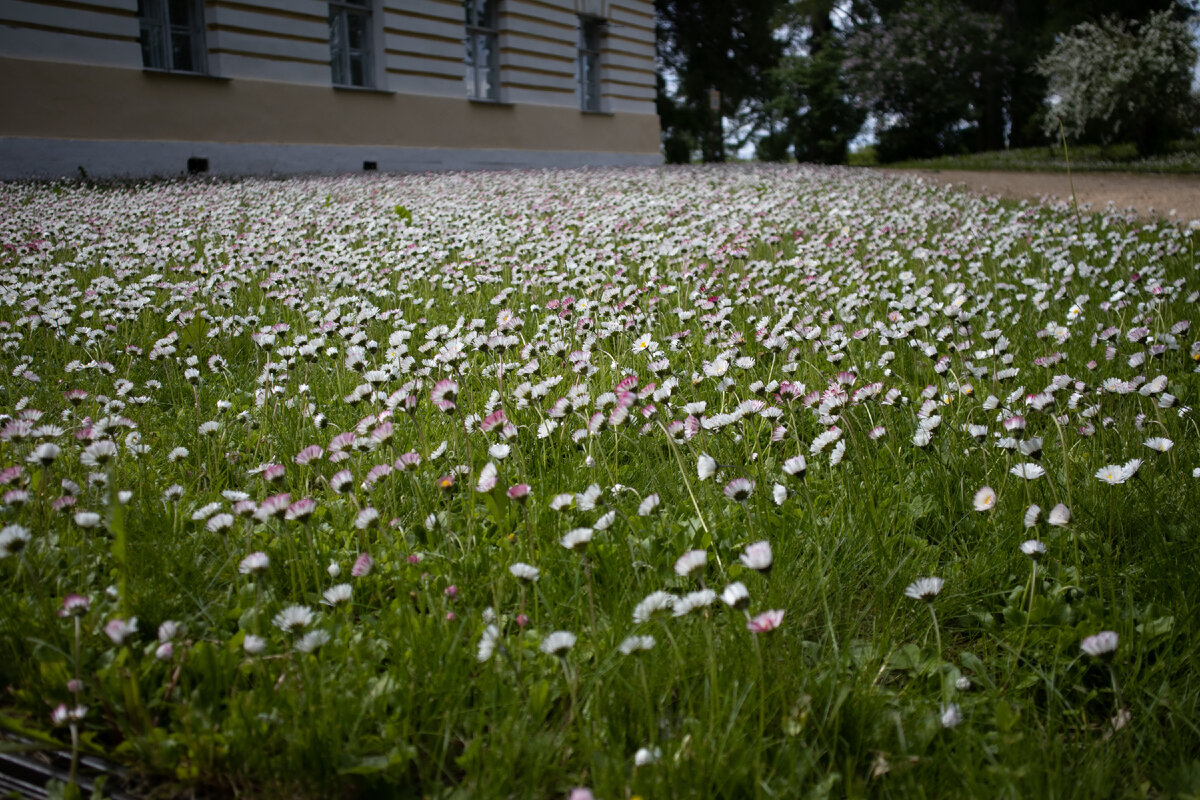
418	45
281	40
86	31
423	47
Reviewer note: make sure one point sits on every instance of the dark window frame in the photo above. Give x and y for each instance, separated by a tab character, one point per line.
160	30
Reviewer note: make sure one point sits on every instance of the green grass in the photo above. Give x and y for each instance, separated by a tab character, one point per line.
780	276
1182	157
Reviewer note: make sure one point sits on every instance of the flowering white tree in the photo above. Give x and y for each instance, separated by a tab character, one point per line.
1115	81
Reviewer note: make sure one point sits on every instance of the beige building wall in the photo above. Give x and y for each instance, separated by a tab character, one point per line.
72	70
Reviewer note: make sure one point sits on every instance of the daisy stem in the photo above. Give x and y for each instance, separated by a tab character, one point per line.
688	485
937	635
587	570
74	754
825	602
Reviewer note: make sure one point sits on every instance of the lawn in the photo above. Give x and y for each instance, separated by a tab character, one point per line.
689	482
1181	157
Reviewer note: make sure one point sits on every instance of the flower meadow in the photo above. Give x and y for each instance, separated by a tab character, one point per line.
697	482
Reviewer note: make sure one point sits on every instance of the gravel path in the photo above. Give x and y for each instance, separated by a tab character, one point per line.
1175	197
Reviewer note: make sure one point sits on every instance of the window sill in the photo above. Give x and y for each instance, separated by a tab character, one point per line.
361	89
483	101
178	73
589	113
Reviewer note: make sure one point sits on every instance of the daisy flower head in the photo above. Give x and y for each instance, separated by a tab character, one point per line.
766	621
1100	645
985	499
98	454
253	645
758	556
524	572
1033	548
312	641
951	715
648	505
796	466
1160	443
736	595
690	561
362	566
13	539
337	594
654	603
293	619
635	644
75	605
119	629
577	538
924	589
739	489
557	643
706	466
644	344
694	600
487	643
646	756
1028	471
254	563
1059	516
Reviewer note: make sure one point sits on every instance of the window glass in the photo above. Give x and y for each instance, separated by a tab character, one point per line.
172	34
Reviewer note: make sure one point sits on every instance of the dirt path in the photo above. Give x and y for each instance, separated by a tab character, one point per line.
1175	197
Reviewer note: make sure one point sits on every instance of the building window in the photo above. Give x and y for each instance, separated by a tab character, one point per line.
482	58
172	34
350	42
590	31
